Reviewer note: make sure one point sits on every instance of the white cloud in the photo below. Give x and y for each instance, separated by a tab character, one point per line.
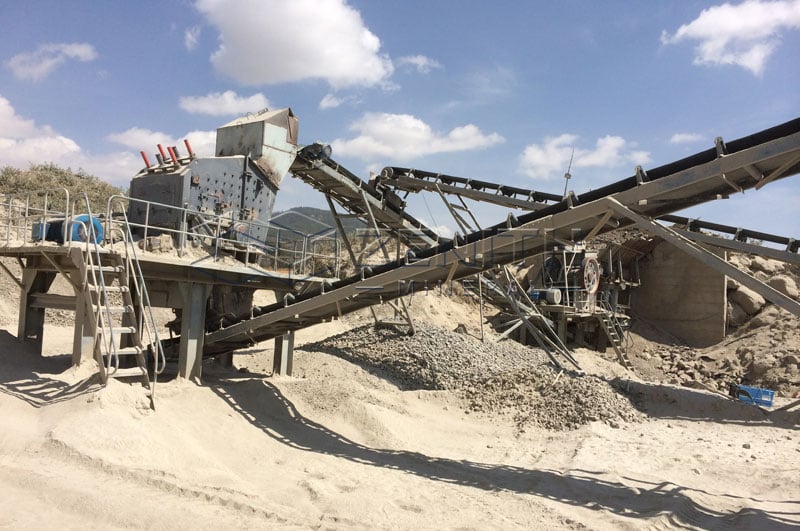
329	101
223	103
37	65
404	137
23	142
274	41
745	34
421	63
191	37
443	231
685	138
203	142
552	157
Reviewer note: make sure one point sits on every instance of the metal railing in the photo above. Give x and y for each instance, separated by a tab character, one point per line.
146	321
271	244
26	218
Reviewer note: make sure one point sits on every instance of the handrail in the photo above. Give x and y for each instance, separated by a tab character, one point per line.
219	228
143	296
23	212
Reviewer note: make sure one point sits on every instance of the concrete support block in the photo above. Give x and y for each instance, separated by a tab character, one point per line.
284	354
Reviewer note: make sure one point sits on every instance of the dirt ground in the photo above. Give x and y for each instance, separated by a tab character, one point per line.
339	445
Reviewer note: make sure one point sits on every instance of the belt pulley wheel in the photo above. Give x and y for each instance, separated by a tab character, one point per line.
590	273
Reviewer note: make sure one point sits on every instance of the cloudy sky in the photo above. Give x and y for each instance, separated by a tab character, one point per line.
505	91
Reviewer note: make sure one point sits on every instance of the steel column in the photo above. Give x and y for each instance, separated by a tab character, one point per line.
193	325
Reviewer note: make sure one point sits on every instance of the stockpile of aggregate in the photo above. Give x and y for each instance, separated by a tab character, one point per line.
501	379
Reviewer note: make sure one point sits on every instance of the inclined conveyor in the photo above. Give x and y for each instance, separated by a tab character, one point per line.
749	162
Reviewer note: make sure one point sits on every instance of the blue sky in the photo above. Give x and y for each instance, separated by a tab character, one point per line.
501	91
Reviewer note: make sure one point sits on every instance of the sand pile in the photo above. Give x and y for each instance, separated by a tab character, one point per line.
505	379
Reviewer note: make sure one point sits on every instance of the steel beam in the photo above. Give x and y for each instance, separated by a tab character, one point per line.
709	259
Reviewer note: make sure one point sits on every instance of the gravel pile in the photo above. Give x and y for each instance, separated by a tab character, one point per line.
502	379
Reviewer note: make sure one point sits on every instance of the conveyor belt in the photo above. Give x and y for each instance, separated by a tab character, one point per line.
738	233
412	180
361	198
745	163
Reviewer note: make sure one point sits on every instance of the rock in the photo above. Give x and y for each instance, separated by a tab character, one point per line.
750	301
739	260
791	359
767	266
785	284
731	283
760	366
736	315
765	318
746	446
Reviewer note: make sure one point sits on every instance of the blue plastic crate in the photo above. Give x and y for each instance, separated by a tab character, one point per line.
754	395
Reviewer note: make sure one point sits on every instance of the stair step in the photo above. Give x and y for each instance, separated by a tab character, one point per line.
109	289
128	372
122	329
129	351
108	269
114	309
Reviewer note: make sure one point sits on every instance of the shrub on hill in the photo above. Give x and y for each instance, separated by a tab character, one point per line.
41	177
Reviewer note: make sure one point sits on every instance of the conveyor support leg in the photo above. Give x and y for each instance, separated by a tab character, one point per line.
284	354
193	324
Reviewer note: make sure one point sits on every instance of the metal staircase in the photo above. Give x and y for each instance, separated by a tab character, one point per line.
615	332
122	320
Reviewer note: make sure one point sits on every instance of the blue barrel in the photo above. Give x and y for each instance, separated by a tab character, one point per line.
80	225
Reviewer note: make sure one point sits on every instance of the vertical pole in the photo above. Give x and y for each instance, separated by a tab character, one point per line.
85	337
480	299
193	323
31	320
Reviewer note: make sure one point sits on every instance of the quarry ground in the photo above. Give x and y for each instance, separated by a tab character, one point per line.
361	438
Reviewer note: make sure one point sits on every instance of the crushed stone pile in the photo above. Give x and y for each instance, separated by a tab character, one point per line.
501	379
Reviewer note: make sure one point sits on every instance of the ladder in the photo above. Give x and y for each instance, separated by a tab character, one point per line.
124	326
615	332
117	334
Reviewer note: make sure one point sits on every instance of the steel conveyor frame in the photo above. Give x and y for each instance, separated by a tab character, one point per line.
745	163
361	198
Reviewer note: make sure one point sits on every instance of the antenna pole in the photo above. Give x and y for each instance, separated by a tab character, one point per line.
568	175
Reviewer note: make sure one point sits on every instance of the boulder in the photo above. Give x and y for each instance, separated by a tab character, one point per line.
766	265
750	301
736	315
785	284
765	318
